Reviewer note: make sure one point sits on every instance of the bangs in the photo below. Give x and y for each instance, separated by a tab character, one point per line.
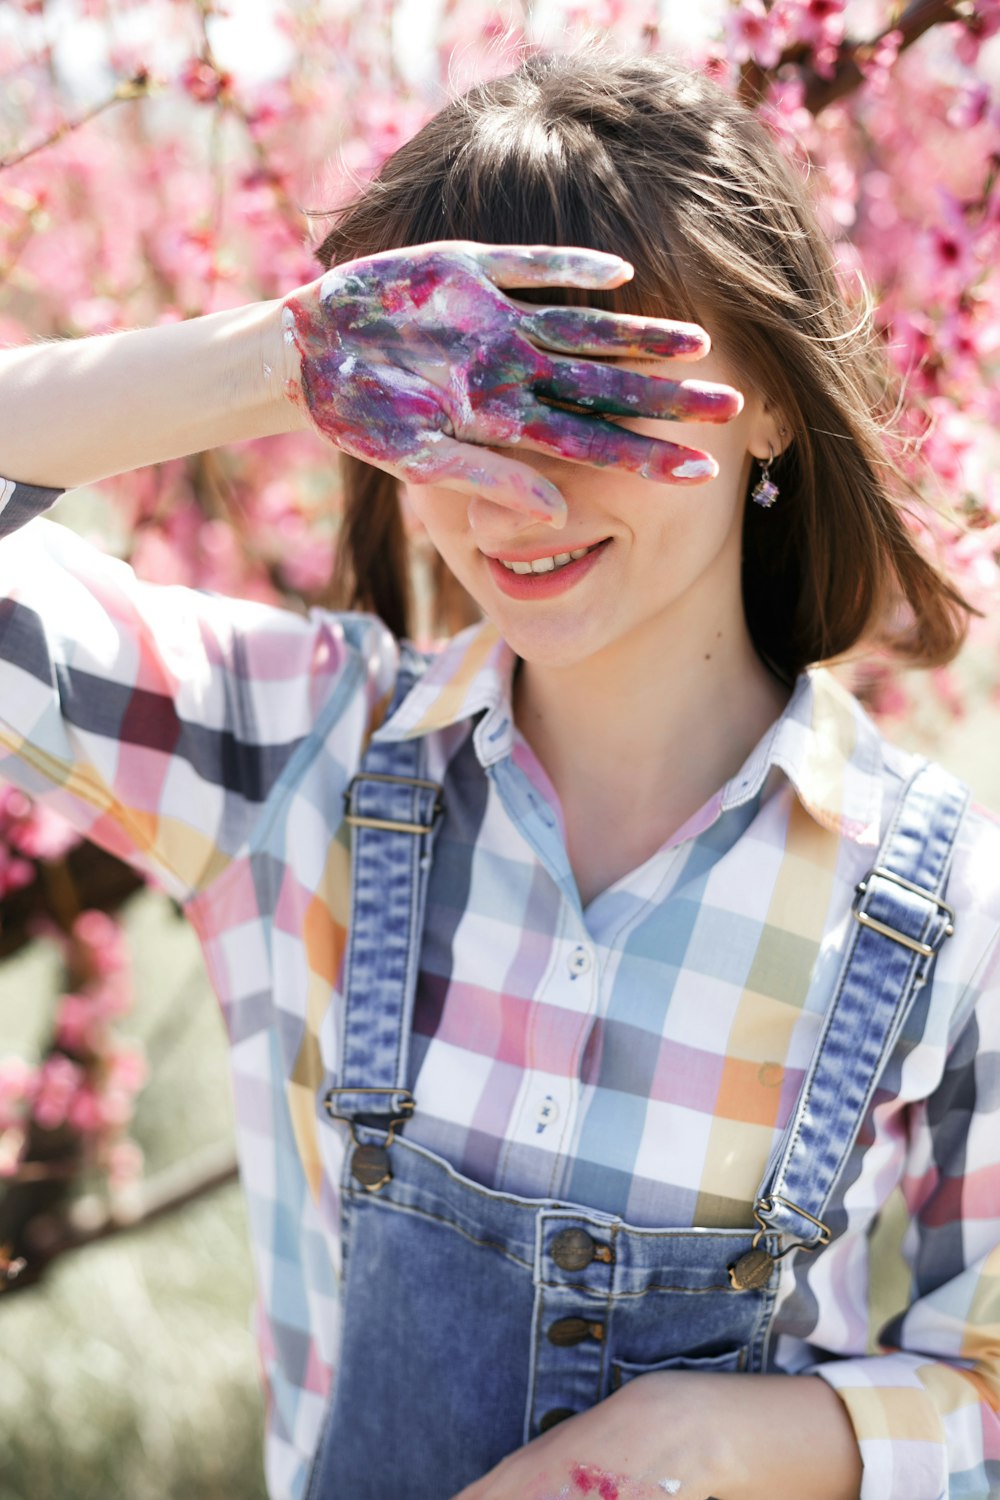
521	177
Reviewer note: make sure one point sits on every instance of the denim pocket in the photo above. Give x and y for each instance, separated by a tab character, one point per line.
622	1371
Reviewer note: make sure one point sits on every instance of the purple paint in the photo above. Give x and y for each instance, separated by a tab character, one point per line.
417	361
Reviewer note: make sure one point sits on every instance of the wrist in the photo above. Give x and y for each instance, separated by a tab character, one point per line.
264	371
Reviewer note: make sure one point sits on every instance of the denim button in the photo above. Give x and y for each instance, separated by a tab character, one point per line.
579	961
572	1249
565	1332
554	1417
370	1167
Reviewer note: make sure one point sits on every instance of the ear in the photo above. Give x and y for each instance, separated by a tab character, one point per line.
770	432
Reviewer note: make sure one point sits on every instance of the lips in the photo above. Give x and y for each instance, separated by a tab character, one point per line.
545	564
524	583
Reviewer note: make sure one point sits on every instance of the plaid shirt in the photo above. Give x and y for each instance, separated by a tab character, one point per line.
640	1056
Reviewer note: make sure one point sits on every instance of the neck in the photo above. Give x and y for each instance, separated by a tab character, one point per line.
650	727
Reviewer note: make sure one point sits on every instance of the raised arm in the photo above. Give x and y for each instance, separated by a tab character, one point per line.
76	411
417	360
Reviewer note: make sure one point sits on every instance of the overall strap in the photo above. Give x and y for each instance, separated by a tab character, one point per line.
899	923
393	811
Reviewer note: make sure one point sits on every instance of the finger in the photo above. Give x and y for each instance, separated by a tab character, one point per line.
588	440
547	265
479	471
591	330
625	393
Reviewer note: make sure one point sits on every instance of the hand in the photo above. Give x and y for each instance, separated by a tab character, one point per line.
647	1441
418	362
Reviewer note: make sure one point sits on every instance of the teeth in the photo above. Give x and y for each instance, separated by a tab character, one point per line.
545	564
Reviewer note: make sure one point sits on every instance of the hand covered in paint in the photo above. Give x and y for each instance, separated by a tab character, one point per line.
418	362
655	1437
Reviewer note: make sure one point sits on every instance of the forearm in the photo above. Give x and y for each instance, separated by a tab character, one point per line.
75	411
783	1435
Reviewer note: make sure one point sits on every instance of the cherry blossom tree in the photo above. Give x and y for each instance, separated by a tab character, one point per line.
153	167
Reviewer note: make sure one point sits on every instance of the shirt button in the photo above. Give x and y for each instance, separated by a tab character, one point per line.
547	1112
579	962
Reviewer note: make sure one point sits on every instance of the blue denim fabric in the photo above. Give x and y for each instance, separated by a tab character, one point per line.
463	1335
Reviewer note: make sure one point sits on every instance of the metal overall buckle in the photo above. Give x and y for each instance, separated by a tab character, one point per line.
754	1267
370	1164
926	950
356	820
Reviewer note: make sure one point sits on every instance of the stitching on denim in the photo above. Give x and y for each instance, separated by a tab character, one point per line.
801	1107
422	1213
635	1369
892	1032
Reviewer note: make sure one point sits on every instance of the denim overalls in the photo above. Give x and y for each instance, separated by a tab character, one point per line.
474	1320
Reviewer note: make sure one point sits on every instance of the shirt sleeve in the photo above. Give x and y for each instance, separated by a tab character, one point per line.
926	1412
158	720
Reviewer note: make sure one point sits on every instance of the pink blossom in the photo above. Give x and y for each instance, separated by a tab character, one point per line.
86	1111
44	834
126	1069
755	34
57	1082
202	81
78	1025
103	939
977	29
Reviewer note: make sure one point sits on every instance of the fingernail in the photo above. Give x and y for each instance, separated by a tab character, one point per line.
696	468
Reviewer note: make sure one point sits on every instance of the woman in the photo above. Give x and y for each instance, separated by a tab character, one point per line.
567	1112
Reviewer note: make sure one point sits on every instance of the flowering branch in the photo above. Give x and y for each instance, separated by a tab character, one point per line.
88	1220
846	69
130	88
849	70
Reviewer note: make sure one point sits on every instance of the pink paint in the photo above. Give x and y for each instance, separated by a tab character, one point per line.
590	1480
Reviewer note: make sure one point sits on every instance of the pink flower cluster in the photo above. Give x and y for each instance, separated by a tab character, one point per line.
87	1083
755	32
28	832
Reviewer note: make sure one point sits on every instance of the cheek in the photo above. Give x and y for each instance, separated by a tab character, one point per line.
443	514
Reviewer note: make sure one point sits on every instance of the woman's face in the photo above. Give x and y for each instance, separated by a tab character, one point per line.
665	557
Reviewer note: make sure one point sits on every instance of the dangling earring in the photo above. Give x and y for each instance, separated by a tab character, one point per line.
765	491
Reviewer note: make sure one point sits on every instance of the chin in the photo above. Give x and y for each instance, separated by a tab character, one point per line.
552	645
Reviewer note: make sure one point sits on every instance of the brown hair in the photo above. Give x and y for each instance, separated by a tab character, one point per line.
643	157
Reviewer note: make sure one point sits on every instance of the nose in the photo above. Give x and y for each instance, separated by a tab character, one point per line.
495	525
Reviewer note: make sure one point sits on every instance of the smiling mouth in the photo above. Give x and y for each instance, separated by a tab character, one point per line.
549	564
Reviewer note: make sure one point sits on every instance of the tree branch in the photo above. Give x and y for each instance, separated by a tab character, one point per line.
87	1221
130	88
848	73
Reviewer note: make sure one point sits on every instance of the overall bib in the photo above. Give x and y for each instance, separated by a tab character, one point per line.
475	1320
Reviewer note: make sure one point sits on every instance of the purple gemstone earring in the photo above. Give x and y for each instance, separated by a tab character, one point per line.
765	491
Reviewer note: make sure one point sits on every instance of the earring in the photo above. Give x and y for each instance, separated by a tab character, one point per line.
765	491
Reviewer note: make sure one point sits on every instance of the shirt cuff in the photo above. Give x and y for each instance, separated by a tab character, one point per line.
902	1407
22	502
